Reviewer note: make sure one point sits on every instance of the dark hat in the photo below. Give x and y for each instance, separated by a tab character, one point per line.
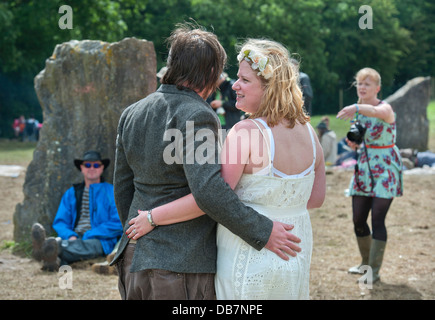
322	126
91	156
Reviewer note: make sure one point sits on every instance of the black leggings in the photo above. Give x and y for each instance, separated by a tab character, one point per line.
361	207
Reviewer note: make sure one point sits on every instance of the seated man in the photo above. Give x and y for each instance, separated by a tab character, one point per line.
86	222
412	158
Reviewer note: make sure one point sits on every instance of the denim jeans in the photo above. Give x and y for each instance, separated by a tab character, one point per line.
77	250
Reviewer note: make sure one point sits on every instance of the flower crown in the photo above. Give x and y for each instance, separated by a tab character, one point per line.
259	62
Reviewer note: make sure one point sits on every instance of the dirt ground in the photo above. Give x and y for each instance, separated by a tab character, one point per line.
408	271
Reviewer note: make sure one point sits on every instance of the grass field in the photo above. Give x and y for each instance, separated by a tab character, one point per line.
340	127
13	152
407	271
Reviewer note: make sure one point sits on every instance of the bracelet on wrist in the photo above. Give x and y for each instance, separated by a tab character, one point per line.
357	108
150	218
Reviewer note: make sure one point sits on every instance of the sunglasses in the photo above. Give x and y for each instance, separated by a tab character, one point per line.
95	165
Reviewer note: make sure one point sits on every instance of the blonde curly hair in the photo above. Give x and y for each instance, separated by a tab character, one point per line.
282	97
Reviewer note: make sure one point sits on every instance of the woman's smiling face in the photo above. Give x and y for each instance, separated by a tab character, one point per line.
249	88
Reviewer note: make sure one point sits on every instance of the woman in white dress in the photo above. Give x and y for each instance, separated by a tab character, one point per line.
274	162
281	174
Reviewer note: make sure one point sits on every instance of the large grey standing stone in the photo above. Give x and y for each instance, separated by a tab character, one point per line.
410	104
83	90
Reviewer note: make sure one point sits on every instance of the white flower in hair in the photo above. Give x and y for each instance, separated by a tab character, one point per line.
259	62
267	72
240	56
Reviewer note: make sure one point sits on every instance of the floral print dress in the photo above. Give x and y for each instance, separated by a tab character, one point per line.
384	161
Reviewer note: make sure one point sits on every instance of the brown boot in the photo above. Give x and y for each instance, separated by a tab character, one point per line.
111	256
38	238
49	255
104	268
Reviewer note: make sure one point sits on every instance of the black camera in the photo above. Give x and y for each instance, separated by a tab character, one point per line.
356	132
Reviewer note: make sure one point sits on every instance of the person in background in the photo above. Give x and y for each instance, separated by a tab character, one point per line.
378	173
223	100
328	140
19	125
417	159
31	129
87	221
306	88
346	156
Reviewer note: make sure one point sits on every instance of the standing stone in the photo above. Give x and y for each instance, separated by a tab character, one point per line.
83	90
410	104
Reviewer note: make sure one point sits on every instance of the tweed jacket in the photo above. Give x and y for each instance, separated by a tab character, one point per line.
167	147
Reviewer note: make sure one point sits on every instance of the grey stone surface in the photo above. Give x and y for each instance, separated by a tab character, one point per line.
410	104
83	90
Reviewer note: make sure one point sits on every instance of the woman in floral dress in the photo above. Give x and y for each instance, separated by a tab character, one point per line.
378	174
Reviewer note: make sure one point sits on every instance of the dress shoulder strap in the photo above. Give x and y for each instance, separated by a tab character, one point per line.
313	142
269	142
271	151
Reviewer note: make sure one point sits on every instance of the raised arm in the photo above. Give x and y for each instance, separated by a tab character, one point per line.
383	111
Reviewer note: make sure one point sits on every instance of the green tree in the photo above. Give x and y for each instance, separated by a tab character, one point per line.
8	52
324	34
350	48
419	59
31	31
154	21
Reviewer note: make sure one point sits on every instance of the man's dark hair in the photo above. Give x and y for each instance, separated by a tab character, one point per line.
196	58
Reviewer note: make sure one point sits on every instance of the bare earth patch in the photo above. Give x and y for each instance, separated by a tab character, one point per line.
408	271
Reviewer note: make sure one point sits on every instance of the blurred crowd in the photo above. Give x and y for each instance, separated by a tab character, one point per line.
26	129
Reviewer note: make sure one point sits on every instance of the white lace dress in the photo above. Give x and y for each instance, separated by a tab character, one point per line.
246	273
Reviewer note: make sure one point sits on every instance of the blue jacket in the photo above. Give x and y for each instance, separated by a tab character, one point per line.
105	223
